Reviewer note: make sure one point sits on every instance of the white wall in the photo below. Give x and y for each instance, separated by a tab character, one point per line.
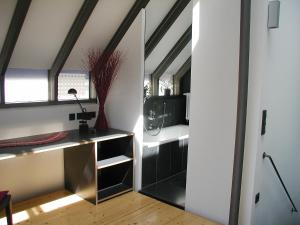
35	174
280	97
257	71
280	90
124	105
215	64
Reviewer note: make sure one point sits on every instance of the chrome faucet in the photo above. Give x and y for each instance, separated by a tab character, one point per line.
151	115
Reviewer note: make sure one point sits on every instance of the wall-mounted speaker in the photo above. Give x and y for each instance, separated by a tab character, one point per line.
273	14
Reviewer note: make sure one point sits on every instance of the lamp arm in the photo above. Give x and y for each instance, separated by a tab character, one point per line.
82	109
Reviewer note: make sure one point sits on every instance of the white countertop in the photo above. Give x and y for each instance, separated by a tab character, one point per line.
168	134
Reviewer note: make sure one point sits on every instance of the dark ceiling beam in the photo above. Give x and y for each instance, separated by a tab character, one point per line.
10	41
180	73
171	56
126	23
164	26
68	44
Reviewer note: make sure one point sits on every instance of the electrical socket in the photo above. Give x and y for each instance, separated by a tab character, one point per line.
72	116
257	197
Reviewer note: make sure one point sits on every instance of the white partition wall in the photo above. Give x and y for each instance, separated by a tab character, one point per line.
124	105
214	90
274	86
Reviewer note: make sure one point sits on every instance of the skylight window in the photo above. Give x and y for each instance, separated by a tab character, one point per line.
26	85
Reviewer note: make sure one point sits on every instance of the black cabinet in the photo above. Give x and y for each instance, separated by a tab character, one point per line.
149	165
163	161
185	145
176	156
115	180
101	168
114	167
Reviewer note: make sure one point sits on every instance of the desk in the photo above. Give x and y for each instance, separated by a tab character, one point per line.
97	166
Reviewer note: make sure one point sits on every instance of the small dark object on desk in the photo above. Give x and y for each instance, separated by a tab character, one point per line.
86	115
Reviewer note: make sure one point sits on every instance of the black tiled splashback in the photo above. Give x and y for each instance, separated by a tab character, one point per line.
185	83
174	111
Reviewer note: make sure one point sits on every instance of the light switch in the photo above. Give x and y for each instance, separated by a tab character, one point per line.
273	14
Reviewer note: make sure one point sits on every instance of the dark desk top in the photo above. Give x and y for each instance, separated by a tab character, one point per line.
73	138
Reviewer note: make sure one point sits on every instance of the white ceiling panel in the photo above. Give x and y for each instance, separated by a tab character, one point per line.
100	28
156	10
169	40
7	8
44	30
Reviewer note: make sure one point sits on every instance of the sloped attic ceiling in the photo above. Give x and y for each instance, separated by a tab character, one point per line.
47	24
178	62
169	39
7	8
180	59
155	13
100	28
44	30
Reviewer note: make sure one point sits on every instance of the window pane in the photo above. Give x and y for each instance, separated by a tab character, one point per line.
25	85
165	82
76	80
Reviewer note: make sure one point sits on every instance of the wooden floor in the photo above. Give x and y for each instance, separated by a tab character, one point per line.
63	208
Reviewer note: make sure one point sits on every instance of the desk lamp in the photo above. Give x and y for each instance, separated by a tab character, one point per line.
83	126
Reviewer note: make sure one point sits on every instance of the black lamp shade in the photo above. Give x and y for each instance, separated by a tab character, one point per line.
72	91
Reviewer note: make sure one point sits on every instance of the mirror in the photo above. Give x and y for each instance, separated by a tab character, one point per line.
168	48
168	37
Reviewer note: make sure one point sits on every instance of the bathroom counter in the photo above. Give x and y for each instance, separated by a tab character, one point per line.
168	134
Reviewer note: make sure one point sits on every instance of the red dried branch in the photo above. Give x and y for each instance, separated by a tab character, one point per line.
103	68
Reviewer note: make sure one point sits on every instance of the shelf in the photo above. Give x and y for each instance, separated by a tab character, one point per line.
113	161
113	191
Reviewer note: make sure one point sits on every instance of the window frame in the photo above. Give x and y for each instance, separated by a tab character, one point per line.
90	86
51	82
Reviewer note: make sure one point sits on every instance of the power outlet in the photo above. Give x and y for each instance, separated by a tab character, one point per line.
72	116
257	197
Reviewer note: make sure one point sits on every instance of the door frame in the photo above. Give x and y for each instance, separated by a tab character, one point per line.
241	111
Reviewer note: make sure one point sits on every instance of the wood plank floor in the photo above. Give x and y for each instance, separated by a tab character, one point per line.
63	208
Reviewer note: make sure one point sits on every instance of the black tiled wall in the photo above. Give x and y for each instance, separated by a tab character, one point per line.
174	113
185	83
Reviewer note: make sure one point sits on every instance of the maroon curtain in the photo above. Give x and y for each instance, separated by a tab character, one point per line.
103	69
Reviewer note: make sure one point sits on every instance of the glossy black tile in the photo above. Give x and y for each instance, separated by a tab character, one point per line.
149	166
164	165
174	112
171	190
176	157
